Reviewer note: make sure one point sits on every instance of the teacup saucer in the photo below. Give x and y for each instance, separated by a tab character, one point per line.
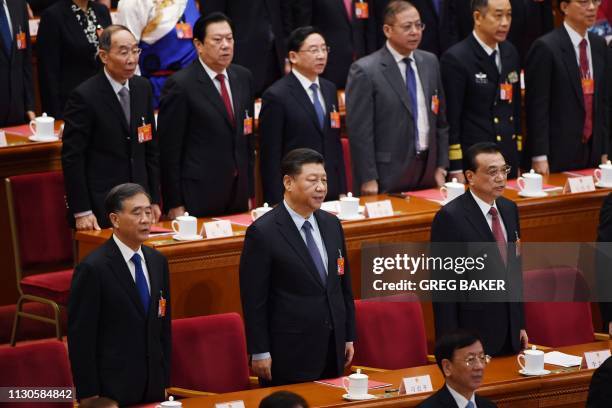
187	238
358	397
35	138
352	217
532	373
533	195
602	185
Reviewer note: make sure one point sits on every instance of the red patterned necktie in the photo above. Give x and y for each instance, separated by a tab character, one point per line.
348	5
585	73
226	98
498	233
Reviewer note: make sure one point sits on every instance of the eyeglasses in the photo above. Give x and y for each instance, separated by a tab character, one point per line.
483	358
585	3
125	52
418	26
316	50
217	41
502	171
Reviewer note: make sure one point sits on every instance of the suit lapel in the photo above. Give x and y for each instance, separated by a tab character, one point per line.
340	5
506	62
598	66
476	218
16	20
236	97
211	92
155	275
484	61
110	98
509	221
123	275
332	251
302	97
394	77
425	77
571	64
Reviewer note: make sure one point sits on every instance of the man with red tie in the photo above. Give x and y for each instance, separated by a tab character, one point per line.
205	128
567	74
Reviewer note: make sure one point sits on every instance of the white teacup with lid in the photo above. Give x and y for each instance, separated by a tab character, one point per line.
534	361
356	385
259	211
530	183
349	206
42	127
185	226
170	403
603	175
451	190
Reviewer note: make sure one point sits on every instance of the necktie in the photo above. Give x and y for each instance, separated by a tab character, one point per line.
226	98
5	32
585	73
493	57
314	251
412	92
124	100
348	5
498	233
317	105
470	404
141	283
436	4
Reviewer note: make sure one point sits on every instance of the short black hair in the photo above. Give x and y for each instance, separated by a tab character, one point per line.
455	340
113	202
299	35
200	26
106	38
480	5
283	399
393	8
292	163
469	161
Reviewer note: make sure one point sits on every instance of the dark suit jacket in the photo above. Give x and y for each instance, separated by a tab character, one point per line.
287	310
604	260
117	349
288	121
600	392
475	111
380	125
555	103
443	399
440	27
65	56
16	88
206	161
100	149
462	221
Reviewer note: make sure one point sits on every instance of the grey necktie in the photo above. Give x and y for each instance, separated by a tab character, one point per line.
124	100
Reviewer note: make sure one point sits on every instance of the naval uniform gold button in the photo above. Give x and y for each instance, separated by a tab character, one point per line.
511	118
498	138
513	137
496	120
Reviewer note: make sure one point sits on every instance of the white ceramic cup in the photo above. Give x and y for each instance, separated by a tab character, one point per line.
170	403
530	182
603	174
534	360
43	126
452	190
259	211
185	226
356	384
349	206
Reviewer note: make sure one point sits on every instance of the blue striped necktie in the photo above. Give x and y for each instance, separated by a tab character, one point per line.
141	283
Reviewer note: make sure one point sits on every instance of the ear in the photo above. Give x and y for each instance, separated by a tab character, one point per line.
114	219
103	54
476	16
287	182
387	30
469	175
447	367
293	57
563	6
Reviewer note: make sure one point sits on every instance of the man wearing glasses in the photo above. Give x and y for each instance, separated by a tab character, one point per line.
481	215
109	135
396	111
568	111
481	76
462	360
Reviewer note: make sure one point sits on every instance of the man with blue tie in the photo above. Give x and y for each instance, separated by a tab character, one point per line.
119	338
295	282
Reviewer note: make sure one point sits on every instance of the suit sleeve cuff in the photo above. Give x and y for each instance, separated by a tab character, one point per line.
539	158
82	214
260	356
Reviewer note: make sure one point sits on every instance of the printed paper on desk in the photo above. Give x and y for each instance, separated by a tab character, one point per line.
231	404
579	184
218	229
596	358
379	209
562	359
3	141
415	385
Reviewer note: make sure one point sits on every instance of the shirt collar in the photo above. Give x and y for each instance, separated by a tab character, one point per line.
297	218
126	251
484	46
116	85
484	207
575	38
305	81
396	55
212	74
460	399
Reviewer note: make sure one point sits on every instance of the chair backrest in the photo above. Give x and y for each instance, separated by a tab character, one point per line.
37	207
390	334
557	323
209	353
43	364
348	169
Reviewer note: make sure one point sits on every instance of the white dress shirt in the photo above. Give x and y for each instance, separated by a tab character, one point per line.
127	254
116	85
485	207
490	50
460	399
213	76
305	82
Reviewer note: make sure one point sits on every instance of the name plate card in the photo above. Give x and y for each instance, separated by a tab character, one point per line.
415	385
579	184
3	141
218	229
231	404
596	358
379	209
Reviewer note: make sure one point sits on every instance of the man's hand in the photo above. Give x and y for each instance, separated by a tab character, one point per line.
155	213
369	188
541	167
457	175
262	368
440	176
87	223
30	115
349	351
604	158
610	329
176	211
524	339
89	398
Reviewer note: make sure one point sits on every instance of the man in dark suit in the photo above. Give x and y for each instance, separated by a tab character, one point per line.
481	79
604	262
109	135
301	110
567	74
205	142
462	360
396	111
16	88
482	215
119	338
600	392
295	282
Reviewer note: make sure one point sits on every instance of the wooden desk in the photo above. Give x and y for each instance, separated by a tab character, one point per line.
21	156
502	383
204	274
